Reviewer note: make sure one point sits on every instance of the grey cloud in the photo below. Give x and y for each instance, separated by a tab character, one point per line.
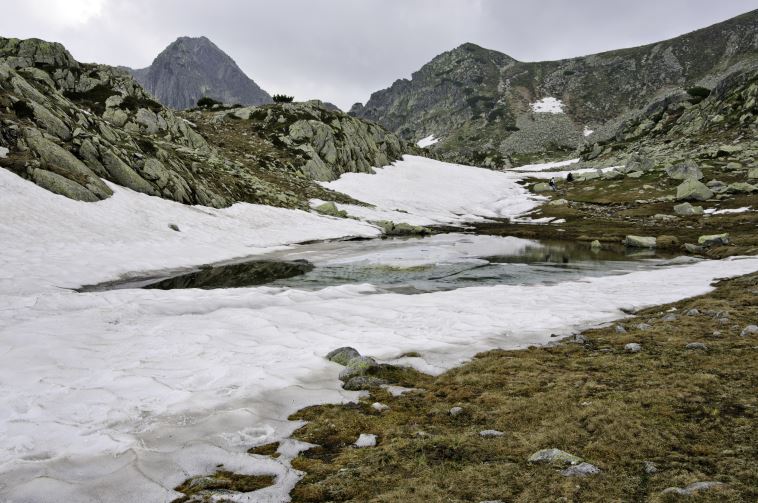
342	50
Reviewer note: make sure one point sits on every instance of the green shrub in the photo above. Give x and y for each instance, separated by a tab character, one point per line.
282	98
207	102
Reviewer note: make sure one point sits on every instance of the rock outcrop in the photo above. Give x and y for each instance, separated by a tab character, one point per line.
191	68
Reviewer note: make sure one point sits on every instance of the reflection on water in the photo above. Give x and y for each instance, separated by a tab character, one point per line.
412	265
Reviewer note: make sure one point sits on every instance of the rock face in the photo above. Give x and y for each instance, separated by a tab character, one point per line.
488	108
191	68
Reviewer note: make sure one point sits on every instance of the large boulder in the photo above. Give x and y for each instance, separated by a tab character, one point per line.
684	170
693	190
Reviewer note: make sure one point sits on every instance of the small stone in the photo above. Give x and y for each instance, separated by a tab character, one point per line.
456	411
716	333
580	470
491	433
644	326
749	330
558	202
554	456
357	366
366	440
686	209
596	245
693	488
632	347
620	329
669	317
693	190
696	345
379	407
174	227
650	467
342	355
693	312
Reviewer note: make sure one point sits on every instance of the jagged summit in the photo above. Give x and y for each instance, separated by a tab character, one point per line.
193	67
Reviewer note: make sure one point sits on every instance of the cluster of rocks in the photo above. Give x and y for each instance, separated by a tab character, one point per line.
356	375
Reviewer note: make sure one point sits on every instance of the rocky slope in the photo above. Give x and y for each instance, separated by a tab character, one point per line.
484	105
67	126
190	68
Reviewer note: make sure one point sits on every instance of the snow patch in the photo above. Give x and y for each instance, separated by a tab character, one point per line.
428	141
545	166
714	211
548	105
422	191
587	131
3	152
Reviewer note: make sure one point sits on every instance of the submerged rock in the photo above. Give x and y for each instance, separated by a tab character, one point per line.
640	241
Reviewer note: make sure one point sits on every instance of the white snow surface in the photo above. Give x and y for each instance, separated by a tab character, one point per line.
427	141
545	166
120	395
3	152
548	105
422	191
714	211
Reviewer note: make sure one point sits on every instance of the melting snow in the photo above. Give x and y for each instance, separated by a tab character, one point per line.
548	105
714	211
120	395
428	141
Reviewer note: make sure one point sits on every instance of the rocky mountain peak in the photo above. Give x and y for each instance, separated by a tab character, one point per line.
193	67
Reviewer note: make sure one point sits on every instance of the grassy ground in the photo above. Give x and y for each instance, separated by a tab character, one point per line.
690	412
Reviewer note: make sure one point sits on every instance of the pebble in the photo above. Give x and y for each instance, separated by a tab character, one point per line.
580	470
650	467
693	312
632	347
644	326
491	433
620	329
749	330
716	333
366	440
696	345
456	411
379	407
669	317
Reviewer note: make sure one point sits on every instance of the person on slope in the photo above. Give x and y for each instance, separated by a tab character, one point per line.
552	184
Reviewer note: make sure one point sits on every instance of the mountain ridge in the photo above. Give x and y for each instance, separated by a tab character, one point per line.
478	101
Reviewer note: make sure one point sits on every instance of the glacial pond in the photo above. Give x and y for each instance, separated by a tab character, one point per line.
408	266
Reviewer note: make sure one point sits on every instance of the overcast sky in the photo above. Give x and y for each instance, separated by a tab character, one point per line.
342	50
